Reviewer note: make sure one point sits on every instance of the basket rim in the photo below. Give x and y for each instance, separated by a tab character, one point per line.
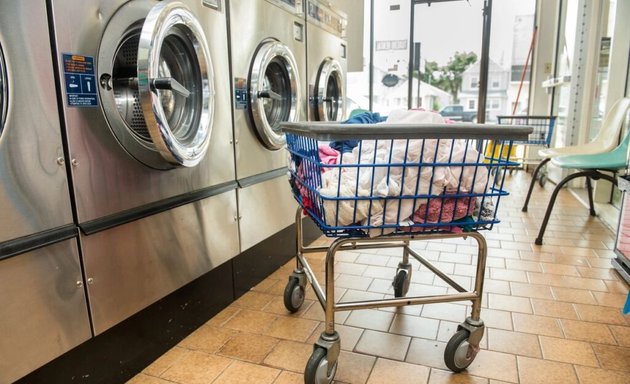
339	131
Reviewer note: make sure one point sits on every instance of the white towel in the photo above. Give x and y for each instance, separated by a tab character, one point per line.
397	181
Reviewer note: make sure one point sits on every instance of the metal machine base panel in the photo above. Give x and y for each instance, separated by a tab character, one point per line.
133	265
44	313
265	209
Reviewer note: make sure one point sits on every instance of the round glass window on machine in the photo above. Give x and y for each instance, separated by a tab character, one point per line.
157	86
4	91
329	88
274	92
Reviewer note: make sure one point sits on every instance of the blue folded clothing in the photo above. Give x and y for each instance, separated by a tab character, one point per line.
365	117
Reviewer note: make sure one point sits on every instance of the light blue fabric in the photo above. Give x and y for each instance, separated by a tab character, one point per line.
613	160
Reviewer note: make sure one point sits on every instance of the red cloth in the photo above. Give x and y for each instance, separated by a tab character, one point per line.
444	210
327	155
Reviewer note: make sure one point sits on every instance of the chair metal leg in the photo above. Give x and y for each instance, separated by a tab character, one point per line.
589	188
589	174
531	184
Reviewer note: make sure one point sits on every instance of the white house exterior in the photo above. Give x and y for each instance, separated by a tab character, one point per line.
393	96
497	97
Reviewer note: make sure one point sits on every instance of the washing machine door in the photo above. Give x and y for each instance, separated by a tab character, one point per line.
4	91
274	92
329	91
156	81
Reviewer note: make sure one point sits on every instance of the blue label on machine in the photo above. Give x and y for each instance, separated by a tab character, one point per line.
240	93
80	79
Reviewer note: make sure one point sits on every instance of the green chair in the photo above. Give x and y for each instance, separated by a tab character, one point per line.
591	166
605	141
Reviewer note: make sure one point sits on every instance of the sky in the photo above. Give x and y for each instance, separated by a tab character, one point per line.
459	25
444	28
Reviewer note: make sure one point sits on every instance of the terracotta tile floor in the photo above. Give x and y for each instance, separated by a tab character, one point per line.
552	313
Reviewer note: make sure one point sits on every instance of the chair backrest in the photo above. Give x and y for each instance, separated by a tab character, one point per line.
621	153
608	135
618	157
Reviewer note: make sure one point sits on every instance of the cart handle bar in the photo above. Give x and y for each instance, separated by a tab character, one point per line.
335	131
546	117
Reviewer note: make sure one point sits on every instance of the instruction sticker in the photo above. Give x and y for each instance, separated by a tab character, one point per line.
80	79
240	93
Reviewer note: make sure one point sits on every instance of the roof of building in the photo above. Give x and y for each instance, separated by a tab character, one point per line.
493	67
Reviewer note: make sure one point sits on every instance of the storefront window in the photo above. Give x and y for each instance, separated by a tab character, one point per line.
445	55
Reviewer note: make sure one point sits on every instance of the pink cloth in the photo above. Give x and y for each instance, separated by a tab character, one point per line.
328	155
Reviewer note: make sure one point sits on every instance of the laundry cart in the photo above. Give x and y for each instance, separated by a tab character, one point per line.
539	138
399	183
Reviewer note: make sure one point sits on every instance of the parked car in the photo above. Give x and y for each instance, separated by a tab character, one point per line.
457	113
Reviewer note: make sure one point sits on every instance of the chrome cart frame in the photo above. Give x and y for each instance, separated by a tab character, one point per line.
329	339
462	348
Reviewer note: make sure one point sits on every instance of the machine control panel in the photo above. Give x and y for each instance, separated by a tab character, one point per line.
294	6
328	18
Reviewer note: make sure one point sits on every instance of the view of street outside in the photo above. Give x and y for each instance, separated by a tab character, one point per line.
447	46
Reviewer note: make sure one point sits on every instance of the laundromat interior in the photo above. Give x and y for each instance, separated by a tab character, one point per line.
315	191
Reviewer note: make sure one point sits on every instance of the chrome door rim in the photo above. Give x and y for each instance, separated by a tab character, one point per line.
187	150
330	70
4	92
145	142
273	54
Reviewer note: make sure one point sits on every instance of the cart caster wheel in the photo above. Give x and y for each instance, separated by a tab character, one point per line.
541	181
459	354
401	282
293	295
316	371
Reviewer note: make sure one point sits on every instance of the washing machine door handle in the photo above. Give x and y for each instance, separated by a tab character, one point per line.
170	84
164	83
270	95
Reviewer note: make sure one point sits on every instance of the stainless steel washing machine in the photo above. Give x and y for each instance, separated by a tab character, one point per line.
326	64
268	62
146	101
44	311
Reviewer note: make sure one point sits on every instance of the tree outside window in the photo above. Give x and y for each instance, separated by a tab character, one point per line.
449	76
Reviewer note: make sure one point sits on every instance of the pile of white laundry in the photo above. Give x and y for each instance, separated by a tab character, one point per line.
397	187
